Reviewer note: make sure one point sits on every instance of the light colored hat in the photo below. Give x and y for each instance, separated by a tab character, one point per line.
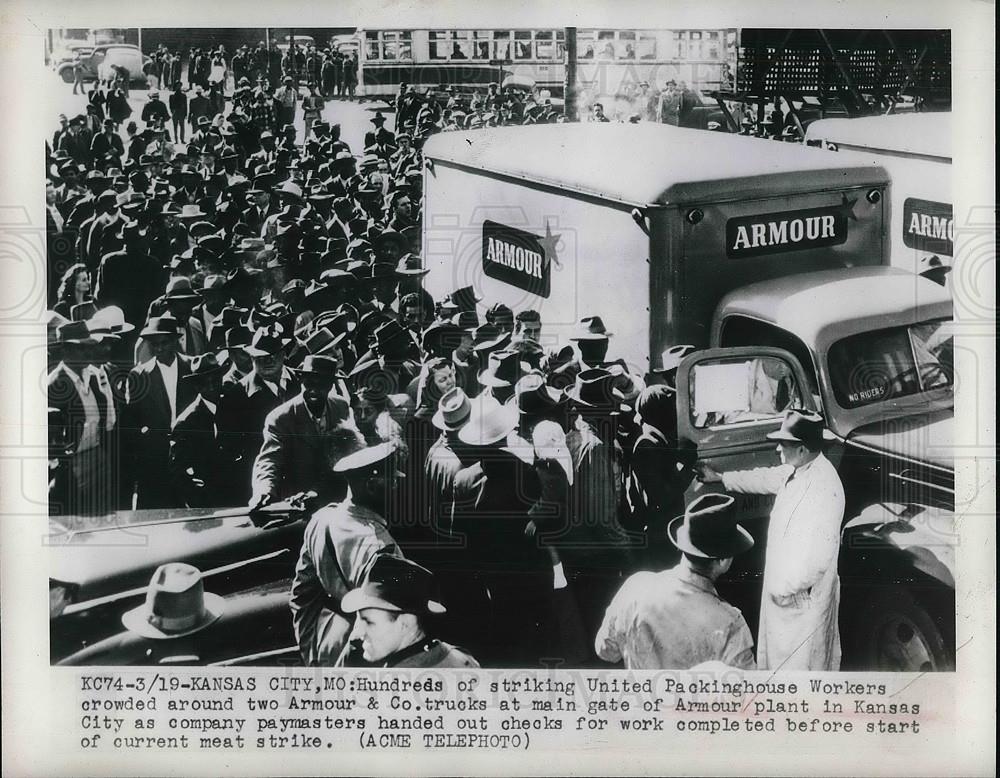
176	604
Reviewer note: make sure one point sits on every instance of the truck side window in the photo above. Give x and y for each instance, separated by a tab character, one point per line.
734	391
744	331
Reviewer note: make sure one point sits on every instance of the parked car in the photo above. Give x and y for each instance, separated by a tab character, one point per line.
97	63
100	568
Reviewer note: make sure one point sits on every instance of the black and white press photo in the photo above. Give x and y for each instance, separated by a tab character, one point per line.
531	347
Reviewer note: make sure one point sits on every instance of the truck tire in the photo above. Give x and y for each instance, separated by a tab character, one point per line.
896	633
66	74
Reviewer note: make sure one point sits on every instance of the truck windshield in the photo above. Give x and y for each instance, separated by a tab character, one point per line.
886	364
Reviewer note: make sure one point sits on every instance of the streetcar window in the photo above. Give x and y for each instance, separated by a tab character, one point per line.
501	44
606	44
481	44
461	47
522	44
405	46
437	44
560	53
543	44
646	47
371	45
626	45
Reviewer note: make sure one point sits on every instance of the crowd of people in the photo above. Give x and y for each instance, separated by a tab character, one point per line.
241	320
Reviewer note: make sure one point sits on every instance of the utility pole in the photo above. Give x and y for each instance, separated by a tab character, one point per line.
569	85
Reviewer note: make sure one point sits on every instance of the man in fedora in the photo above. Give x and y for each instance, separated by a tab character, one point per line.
508	576
394	608
305	437
503	370
340	544
155	396
675	619
244	406
592	339
799	605
197	467
594	547
179	300
129	278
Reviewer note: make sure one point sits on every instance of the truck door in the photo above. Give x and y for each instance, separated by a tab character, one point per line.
728	400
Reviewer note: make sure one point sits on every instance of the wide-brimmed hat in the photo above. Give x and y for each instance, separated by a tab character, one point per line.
370	460
109	320
453	411
465	298
74	333
489	336
800	426
595	388
191	211
213	284
266	342
411	265
709	529
489	422
180	288
390	236
204	365
591	328
549	442
671	358
504	368
318	365
536	398
396	585
176	604
161	325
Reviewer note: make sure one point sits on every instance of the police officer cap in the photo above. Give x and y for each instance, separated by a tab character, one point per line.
367	459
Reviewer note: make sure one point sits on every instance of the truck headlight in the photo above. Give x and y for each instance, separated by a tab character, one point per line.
874	196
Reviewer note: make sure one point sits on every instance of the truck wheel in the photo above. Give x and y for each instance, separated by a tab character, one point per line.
66	74
895	633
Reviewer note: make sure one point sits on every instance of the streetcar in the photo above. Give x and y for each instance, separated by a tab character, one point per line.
610	63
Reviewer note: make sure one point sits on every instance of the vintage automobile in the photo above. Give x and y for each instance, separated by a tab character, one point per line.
101	567
97	63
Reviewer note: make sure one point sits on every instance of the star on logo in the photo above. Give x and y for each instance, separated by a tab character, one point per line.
847	207
548	244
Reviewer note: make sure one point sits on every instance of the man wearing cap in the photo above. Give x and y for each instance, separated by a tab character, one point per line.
799	605
196	462
198	108
393	608
154	397
340	544
154	110
675	619
305	437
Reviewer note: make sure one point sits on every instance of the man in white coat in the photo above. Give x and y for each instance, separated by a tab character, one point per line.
798	612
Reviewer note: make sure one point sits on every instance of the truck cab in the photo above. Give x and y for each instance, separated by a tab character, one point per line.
871	348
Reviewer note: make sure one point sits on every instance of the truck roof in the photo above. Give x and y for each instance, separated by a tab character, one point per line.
913	134
649	163
865	296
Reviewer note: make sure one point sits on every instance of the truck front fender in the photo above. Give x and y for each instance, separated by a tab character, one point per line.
921	535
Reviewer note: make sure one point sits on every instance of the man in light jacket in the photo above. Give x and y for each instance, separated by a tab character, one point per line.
798	613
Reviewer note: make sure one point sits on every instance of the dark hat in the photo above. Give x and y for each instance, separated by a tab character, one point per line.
709	529
800	426
489	336
504	368
465	298
378	118
318	365
411	265
204	365
389	236
176	604
591	328
370	460
396	585
535	397
213	284
595	388
74	333
161	325
179	288
467	321
266	342
323	341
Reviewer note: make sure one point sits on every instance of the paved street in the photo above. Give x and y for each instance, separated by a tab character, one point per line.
353	117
